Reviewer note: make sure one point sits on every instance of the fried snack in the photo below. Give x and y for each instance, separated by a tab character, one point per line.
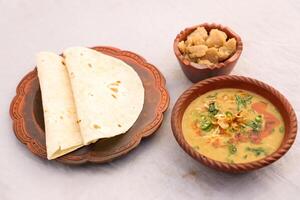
207	49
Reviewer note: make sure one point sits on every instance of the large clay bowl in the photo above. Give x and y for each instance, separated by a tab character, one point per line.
268	92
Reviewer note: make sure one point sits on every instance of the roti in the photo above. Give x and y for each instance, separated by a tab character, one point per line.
108	93
61	127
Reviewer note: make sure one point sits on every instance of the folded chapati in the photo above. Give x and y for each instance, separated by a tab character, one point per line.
61	127
108	93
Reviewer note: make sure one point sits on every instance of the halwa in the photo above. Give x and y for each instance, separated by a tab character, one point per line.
208	49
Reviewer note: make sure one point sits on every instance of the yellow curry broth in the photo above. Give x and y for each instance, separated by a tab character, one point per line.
233	125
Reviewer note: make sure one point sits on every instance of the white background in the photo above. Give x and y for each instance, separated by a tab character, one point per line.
158	168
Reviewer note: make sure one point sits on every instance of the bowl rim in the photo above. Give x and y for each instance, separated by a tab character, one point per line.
228	61
177	113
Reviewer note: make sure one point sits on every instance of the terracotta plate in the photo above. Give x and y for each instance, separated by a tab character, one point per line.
28	121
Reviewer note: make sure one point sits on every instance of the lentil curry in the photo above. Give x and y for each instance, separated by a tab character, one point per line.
233	126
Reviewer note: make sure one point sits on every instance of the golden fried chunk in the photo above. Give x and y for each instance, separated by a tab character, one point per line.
204	62
197	37
216	38
201	32
227	50
207	49
195	40
189	58
211	55
182	47
231	44
197	51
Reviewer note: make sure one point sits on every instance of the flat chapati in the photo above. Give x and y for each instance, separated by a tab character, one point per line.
108	93
61	127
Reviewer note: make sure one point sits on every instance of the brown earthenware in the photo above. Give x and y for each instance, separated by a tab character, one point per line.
260	88
197	72
28	122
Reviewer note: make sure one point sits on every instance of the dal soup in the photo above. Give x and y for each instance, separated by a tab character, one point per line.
233	126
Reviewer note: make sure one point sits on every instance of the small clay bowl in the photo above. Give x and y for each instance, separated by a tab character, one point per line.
197	72
240	82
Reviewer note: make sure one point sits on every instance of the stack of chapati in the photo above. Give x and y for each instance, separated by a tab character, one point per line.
86	96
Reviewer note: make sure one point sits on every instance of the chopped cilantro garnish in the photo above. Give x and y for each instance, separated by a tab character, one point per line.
212	108
229	160
212	95
232	149
258	118
228	114
256	126
281	129
257	151
231	129
243	129
242	101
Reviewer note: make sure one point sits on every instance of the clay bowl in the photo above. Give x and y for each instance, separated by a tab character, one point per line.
268	92
197	72
28	120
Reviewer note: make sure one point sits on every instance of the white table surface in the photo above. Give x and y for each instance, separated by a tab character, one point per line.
158	168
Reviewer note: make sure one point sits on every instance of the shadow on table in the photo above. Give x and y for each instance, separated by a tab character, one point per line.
103	167
241	183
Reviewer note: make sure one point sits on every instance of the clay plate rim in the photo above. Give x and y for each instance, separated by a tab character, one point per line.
17	115
181	105
226	29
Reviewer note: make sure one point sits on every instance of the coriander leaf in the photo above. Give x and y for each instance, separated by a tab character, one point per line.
248	98
242	101
232	149
212	108
239	102
212	95
257	151
258	119
228	114
281	129
255	125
